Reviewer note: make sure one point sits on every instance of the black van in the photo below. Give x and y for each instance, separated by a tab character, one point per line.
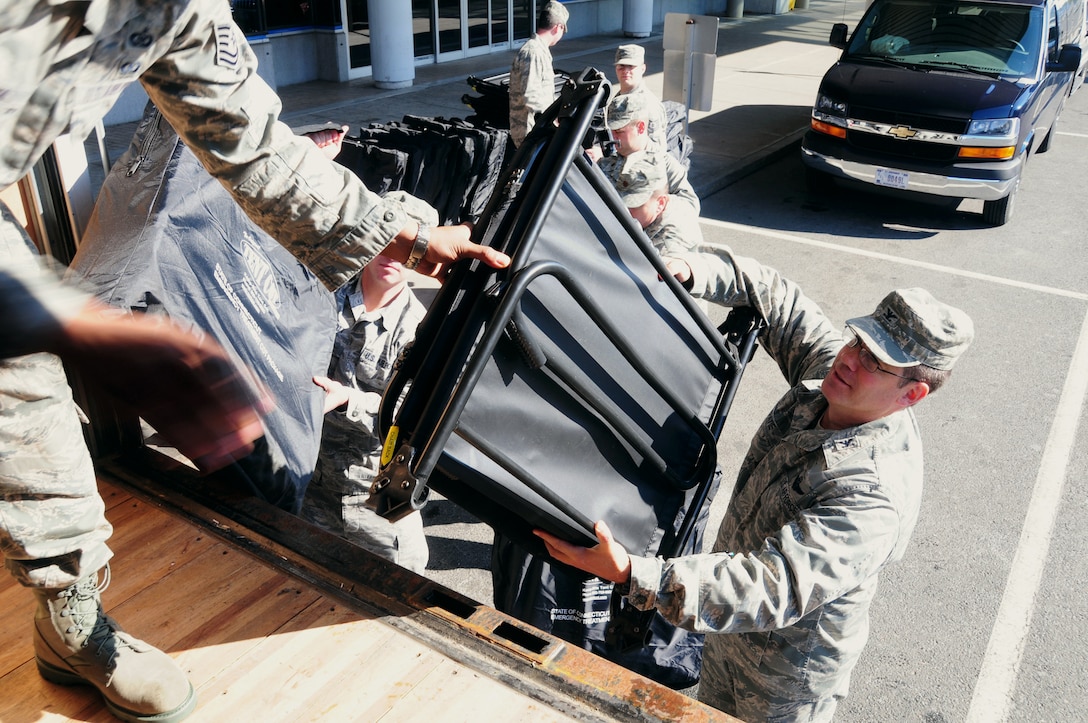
944	97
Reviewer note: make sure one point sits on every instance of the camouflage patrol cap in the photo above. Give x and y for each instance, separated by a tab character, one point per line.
553	13
910	327
626	109
642	175
630	55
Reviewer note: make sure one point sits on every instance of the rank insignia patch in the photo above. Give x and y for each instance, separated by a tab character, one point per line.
227	53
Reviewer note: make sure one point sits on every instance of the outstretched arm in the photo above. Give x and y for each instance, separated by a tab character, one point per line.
447	244
608	560
185	386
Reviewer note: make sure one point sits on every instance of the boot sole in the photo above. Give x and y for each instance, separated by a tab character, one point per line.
61	676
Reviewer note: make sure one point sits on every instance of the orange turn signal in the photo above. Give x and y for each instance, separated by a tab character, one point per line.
831	130
995	154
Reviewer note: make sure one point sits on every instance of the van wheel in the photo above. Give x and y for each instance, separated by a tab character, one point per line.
1045	145
998	213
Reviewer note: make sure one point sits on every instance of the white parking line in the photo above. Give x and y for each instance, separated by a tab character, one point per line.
996	682
896	259
995	685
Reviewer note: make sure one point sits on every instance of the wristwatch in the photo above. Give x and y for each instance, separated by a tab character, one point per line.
419	247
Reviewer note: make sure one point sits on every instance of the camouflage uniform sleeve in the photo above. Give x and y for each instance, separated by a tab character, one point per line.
679	185
540	86
799	336
532	88
677	230
34	302
659	125
208	88
829	550
362	408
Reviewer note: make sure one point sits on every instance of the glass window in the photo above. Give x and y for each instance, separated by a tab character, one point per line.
478	25
449	26
1052	35
327	12
422	20
289	14
247	15
524	20
998	38
358	27
500	22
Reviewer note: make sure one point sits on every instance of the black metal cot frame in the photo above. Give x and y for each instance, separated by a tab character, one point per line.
456	339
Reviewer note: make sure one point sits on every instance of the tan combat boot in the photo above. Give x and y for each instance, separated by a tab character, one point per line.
78	644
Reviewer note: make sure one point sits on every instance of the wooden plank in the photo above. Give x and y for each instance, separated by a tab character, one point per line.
558	676
26	696
450	694
151	549
15	642
254	642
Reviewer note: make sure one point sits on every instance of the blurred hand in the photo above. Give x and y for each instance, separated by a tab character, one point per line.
594	153
186	387
608	560
336	394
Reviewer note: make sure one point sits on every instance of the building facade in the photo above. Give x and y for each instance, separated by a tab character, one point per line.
298	41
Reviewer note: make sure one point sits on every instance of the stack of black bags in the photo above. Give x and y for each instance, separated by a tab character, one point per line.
451	164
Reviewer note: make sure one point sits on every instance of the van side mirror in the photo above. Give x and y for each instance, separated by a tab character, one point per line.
1068	60
838	35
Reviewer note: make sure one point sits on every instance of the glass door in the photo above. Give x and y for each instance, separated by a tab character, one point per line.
456	29
478	25
524	25
358	27
423	36
450	28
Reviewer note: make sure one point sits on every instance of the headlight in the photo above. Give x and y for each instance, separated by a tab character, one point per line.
995	128
824	104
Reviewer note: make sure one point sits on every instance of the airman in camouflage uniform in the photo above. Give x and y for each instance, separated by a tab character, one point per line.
368	342
826	498
627	120
532	77
669	221
630	69
73	61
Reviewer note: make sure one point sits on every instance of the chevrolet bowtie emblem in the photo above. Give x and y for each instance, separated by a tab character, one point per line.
902	132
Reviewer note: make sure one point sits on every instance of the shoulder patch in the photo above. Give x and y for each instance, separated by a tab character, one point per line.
227	52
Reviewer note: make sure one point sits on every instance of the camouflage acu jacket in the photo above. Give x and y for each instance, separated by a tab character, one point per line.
363	356
66	64
814	517
532	86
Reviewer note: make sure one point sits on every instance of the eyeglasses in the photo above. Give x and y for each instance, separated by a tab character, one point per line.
868	361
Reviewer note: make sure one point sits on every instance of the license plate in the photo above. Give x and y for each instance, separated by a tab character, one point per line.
892	179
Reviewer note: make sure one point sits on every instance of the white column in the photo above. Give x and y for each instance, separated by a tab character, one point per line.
392	61
638	18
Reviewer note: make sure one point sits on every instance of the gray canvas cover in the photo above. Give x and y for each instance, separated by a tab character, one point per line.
167	238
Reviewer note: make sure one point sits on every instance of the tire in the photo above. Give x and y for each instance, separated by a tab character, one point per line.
998	213
1045	145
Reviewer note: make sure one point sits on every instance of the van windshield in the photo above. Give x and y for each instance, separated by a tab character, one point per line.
991	38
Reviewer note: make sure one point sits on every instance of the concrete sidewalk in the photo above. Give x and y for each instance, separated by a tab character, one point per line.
767	74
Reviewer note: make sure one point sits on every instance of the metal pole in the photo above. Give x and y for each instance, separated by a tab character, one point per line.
689	56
